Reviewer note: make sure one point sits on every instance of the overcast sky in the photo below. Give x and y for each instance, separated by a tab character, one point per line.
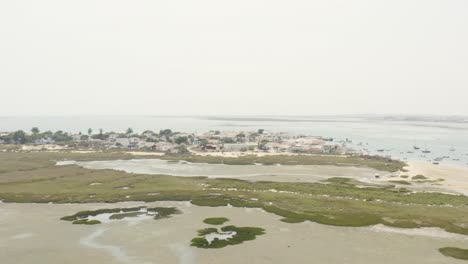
305	57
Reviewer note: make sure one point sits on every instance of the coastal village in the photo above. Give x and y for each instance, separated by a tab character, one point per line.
168	141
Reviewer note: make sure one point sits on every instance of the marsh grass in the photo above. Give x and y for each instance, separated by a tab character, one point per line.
339	180
206	231
453	252
378	163
241	235
164	212
121	213
33	177
215	220
125	215
86	222
88	213
419	177
401	182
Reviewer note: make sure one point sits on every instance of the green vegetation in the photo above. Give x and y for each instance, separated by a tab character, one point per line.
86	222
339	180
419	177
241	234
20	137
378	163
215	220
125	215
199	242
206	231
453	252
164	212
84	214
121	213
401	182
181	140
33	177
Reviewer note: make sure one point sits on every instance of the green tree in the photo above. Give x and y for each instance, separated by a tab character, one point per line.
90	131
61	136
181	140
228	140
182	149
165	132
240	137
203	142
35	130
262	145
19	137
129	130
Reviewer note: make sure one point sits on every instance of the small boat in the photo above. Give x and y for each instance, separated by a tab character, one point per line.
381	150
415	147
426	151
435	163
452	149
410	152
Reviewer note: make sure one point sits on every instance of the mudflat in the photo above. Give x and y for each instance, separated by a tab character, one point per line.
34	233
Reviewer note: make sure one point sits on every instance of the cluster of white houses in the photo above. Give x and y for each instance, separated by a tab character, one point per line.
213	141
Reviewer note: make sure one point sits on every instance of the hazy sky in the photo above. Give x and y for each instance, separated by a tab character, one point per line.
60	57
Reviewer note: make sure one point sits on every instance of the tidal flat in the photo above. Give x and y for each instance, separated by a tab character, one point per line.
336	203
33	233
34	177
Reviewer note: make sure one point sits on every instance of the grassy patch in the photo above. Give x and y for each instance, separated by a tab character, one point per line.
206	231
121	213
164	212
419	177
453	252
199	242
125	215
401	182
88	213
339	180
33	177
215	220
86	222
375	162
241	234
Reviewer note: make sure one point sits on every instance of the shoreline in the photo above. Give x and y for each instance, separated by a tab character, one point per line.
455	177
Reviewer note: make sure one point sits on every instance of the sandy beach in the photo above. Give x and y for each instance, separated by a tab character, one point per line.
33	233
455	177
